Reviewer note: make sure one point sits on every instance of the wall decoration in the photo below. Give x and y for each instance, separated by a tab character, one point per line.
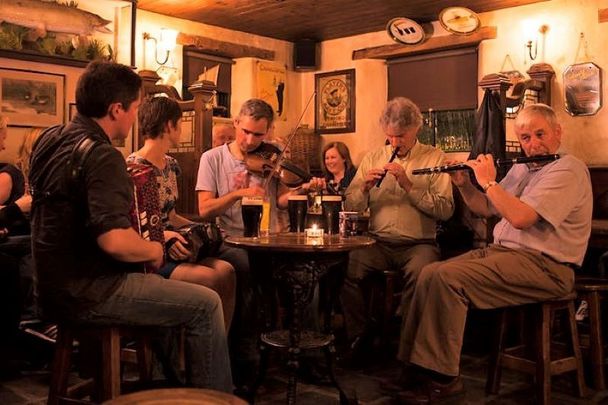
271	80
68	33
32	99
583	88
459	20
335	102
405	31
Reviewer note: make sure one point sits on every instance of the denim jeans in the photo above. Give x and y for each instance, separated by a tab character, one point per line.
151	300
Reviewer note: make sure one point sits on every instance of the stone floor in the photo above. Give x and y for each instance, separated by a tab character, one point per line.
363	384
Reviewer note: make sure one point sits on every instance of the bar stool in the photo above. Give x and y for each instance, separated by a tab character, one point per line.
112	354
538	361
593	290
386	298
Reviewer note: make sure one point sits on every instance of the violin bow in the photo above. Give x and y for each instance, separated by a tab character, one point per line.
277	164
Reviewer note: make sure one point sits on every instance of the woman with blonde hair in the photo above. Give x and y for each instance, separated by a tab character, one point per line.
25	151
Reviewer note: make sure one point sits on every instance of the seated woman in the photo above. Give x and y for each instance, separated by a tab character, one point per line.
337	166
338	170
160	122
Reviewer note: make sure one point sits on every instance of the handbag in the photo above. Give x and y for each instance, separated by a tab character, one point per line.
204	240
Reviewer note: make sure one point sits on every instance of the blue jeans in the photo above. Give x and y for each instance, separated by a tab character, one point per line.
151	300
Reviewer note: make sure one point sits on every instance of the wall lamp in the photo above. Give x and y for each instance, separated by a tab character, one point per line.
164	45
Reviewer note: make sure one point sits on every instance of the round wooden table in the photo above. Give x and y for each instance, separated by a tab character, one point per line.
297	263
177	396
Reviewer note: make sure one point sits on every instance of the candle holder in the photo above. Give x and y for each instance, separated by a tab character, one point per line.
314	234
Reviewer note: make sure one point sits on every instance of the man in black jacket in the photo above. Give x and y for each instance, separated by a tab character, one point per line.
84	248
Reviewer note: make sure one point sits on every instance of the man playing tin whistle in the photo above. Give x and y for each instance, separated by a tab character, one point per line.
545	223
403	214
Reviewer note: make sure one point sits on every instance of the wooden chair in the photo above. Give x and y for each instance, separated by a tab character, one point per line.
112	354
385	298
593	290
539	360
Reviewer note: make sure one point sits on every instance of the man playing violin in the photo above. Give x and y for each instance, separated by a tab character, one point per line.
542	236
403	214
223	180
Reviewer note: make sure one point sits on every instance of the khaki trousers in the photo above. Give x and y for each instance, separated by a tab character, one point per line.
409	258
493	277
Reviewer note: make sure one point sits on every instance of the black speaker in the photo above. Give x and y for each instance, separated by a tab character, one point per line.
305	54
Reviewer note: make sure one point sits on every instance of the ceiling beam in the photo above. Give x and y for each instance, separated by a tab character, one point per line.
433	44
602	15
227	49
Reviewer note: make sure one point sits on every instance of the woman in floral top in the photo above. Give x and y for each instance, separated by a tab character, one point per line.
160	122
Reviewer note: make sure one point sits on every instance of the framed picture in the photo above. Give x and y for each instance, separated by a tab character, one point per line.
32	99
335	102
583	88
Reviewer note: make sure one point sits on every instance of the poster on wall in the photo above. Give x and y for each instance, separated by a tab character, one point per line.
271	79
583	88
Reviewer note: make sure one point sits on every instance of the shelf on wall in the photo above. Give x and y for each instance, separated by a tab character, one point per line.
434	44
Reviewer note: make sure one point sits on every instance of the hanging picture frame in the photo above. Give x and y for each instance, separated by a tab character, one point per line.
335	102
32	99
583	89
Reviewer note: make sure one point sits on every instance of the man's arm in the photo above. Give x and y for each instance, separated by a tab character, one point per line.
126	245
519	214
210	206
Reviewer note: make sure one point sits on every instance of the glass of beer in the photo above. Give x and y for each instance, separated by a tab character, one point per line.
251	209
332	205
265	224
297	206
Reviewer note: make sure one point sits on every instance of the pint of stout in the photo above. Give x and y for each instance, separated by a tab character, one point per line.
251	209
297	206
332	205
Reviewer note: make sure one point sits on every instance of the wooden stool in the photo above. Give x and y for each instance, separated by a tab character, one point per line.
177	396
387	299
539	361
112	355
591	290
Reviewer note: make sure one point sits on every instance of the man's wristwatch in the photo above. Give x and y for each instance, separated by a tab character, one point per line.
489	184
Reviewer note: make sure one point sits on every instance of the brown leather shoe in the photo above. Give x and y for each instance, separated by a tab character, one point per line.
432	392
407	379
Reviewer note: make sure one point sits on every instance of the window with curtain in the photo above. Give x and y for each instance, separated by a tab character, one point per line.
444	86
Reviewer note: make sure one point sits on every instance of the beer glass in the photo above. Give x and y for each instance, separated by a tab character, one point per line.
251	209
332	205
297	206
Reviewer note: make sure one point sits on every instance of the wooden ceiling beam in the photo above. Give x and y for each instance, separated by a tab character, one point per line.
227	49
433	44
602	15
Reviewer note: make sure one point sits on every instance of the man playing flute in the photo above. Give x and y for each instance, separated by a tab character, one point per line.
541	239
403	214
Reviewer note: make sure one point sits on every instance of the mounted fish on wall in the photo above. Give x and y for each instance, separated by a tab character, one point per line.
53	28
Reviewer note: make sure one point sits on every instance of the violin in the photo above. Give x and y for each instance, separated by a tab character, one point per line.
262	162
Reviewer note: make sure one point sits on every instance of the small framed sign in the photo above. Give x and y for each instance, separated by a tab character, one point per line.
335	102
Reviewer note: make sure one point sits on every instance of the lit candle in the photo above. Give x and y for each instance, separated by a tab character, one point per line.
314	232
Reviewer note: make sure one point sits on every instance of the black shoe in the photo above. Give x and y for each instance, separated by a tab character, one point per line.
407	379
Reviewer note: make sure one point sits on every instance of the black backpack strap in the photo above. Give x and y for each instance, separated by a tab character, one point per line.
78	158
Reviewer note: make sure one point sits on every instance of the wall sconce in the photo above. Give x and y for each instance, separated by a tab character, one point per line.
165	44
531	33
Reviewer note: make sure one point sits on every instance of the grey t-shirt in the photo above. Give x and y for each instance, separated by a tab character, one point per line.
560	193
221	173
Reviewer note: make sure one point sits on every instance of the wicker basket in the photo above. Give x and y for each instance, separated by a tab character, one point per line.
305	150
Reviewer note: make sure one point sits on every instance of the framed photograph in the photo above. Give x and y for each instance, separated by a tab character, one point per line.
335	102
32	99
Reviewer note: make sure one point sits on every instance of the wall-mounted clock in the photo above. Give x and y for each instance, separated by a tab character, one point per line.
405	31
459	20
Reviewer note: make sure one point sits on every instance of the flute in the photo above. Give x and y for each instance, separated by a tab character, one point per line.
497	162
393	156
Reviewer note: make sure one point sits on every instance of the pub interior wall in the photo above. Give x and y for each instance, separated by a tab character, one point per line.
585	137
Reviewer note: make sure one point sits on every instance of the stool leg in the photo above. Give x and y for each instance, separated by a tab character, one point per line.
494	366
389	290
144	359
576	350
595	340
111	363
543	354
61	365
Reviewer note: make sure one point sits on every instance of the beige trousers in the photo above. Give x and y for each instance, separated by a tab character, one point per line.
493	277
